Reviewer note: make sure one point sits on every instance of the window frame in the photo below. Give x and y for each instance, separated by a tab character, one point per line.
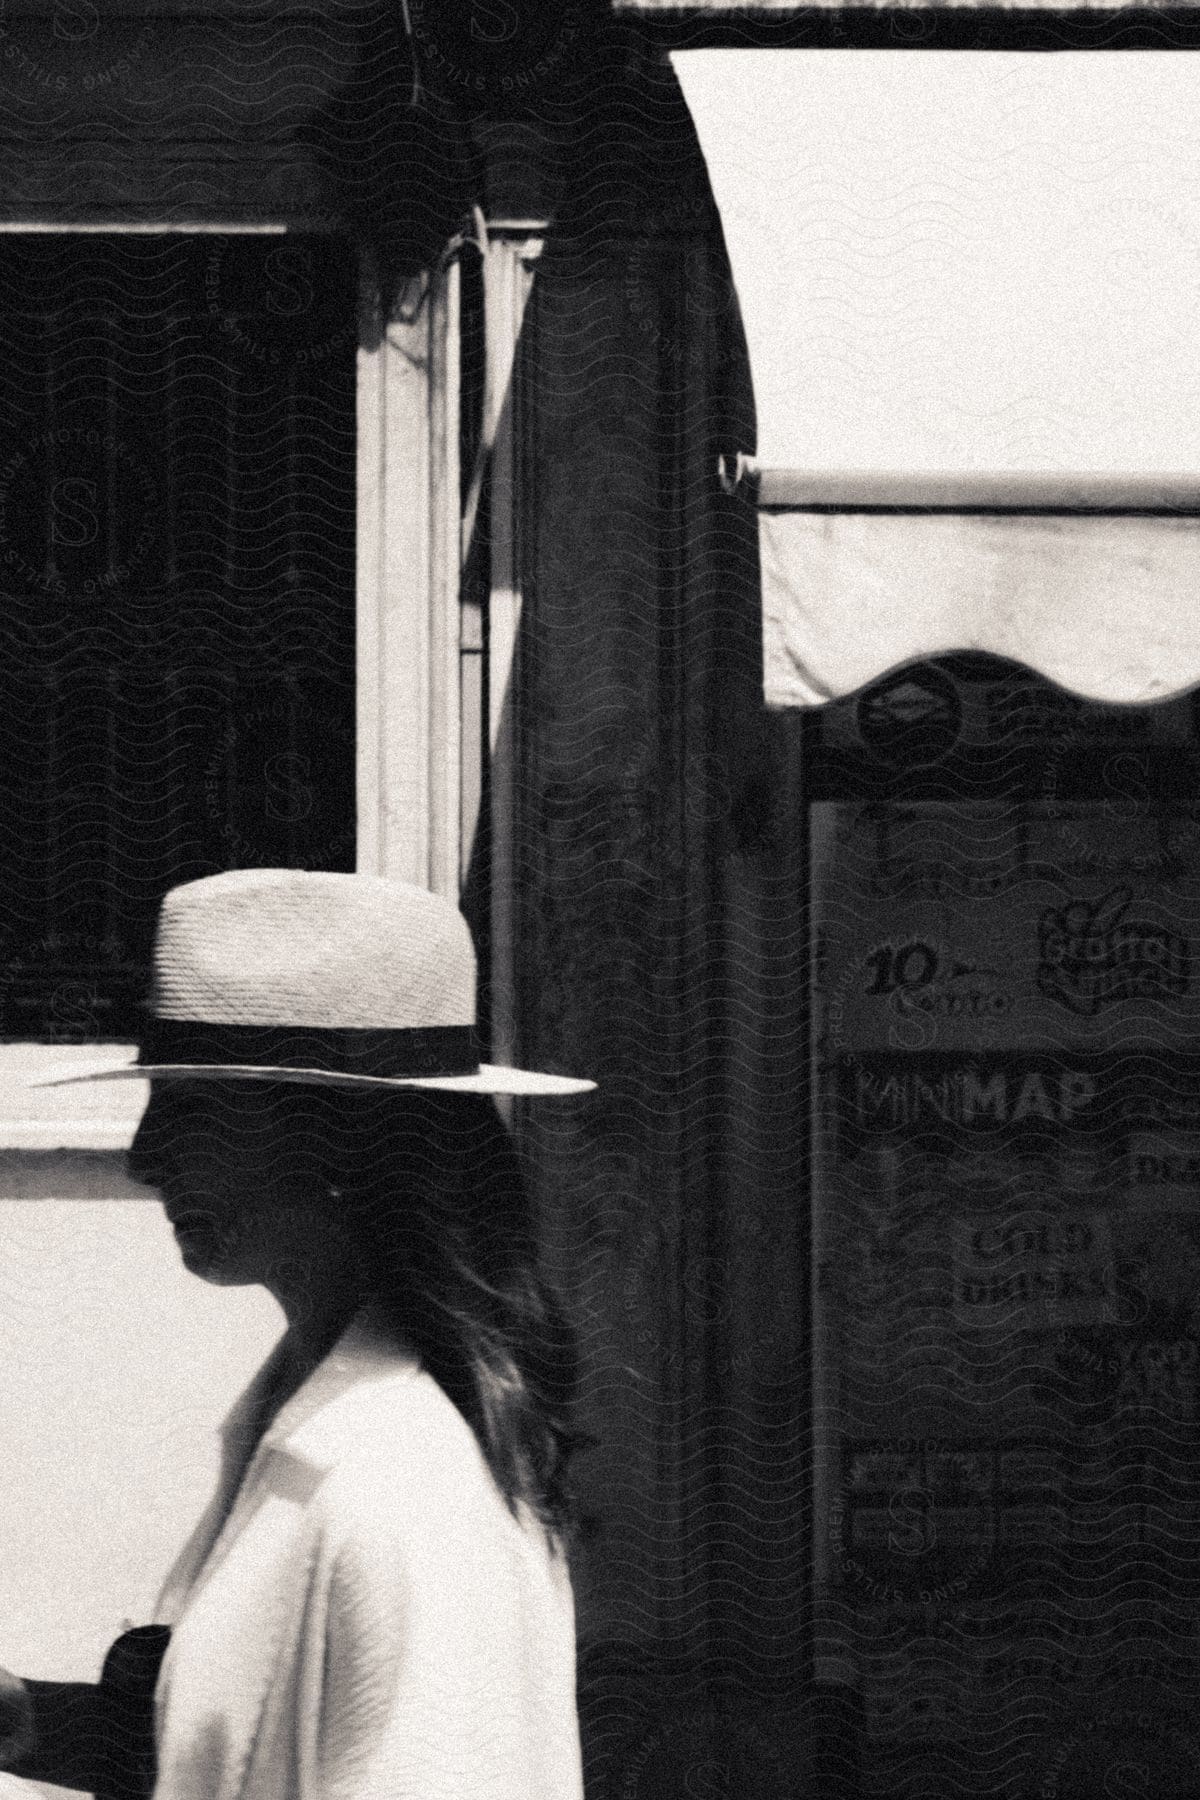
408	781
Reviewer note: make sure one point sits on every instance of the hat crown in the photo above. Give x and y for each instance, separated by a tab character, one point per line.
311	947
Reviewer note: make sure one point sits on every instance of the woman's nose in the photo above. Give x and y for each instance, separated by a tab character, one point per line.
145	1156
140	1163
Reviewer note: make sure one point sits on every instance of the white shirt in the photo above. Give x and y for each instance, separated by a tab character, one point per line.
369	1621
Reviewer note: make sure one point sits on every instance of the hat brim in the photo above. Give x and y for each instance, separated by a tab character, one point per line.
489	1078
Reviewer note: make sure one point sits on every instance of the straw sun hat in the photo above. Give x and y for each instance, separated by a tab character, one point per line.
302	975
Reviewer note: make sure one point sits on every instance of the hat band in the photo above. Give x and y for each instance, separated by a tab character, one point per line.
342	1050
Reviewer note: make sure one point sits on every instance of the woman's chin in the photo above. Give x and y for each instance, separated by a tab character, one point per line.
210	1268
204	1252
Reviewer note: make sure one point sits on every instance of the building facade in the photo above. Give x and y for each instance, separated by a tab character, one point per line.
369	390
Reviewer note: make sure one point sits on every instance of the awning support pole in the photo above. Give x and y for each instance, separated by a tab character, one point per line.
821	490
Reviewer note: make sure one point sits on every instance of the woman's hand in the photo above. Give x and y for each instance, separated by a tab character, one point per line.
17	1731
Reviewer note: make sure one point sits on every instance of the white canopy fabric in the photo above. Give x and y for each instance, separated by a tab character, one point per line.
1108	607
966	266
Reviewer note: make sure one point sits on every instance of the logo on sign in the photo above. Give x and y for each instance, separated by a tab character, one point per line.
922	977
1090	955
884	1093
913	716
1029	1269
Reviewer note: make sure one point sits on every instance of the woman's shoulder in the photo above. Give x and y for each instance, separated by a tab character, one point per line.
408	1486
368	1387
404	1407
386	1451
396	1431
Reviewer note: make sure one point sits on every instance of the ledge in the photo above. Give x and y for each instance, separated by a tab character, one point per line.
983	25
819	490
100	1115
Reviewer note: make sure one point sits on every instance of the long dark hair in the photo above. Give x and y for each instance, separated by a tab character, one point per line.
434	1190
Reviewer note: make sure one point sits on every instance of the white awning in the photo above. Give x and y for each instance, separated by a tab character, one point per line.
967	281
1109	607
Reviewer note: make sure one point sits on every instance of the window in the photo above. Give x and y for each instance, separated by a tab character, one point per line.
177	564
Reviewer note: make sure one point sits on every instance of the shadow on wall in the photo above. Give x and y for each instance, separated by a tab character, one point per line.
660	942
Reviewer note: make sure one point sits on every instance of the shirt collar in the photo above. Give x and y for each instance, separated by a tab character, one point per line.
368	1350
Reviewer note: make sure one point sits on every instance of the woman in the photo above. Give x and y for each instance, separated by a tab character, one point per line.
376	1602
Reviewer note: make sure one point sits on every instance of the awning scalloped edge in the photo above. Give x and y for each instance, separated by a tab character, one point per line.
1105	607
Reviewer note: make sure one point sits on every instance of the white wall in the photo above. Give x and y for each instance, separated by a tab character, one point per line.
116	1366
955	261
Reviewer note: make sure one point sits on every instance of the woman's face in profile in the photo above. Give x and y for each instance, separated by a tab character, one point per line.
224	1157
